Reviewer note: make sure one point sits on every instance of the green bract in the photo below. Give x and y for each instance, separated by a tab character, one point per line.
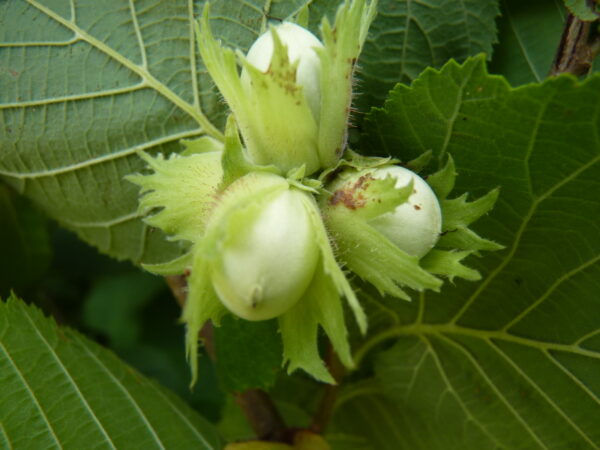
415	225
259	237
291	109
385	221
257	247
301	47
180	185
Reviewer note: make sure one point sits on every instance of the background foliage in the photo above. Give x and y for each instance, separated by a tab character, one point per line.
509	362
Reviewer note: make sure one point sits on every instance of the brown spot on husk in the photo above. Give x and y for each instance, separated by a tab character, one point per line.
352	197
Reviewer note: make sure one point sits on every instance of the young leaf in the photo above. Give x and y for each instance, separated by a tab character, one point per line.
61	390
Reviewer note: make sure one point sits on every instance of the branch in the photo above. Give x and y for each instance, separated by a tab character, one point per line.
262	415
577	49
178	286
325	410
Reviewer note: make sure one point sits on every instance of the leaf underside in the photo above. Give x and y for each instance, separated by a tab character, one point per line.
86	88
70	132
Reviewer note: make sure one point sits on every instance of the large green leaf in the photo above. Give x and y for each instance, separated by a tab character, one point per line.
512	361
528	33
365	419
85	85
248	353
60	390
407	36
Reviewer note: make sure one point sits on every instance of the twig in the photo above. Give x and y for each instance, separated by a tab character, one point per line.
257	406
207	334
178	286
325	410
262	414
577	48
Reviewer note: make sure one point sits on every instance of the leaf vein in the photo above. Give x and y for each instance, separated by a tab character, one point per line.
76	97
183	417
5	437
193	67
71	381
101	159
138	34
66	43
572	376
542	393
496	390
452	391
519	234
538	78
31	394
557	283
139	70
122	388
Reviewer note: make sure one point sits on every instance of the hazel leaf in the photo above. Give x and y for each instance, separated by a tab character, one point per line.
520	349
61	389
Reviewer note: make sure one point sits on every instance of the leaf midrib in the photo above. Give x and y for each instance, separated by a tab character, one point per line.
423	329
